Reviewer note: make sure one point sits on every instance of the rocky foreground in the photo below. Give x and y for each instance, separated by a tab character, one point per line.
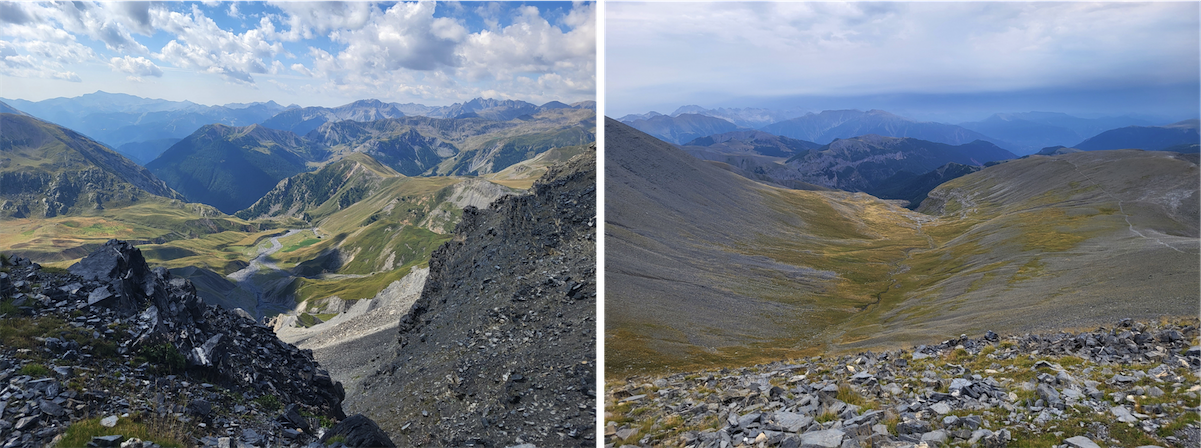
1135	384
113	353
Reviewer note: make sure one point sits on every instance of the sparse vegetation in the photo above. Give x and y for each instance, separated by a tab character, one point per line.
164	431
164	356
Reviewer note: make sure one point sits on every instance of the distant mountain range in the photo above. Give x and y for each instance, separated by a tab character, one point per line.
682	128
888	167
116	119
233	167
305	119
1021	133
1027	132
143	128
1178	137
829	125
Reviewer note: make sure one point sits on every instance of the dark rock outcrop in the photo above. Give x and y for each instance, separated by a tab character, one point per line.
500	348
358	431
224	344
113	336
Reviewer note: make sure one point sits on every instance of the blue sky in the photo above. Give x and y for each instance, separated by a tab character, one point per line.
327	54
948	60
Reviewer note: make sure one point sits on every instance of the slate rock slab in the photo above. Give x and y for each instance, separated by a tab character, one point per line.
359	431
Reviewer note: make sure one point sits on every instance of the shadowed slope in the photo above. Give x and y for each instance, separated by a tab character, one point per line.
229	167
1153	138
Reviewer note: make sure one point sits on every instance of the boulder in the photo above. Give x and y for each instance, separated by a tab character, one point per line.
830	438
1050	395
1080	442
359	431
789	421
291	415
935	437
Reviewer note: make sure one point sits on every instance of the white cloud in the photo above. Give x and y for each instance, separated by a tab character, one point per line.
300	68
14	13
135	67
405	36
201	44
306	18
105	22
490	13
15	64
398	50
532	45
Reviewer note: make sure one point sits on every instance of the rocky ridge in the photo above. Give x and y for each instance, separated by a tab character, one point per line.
500	348
1135	384
113	340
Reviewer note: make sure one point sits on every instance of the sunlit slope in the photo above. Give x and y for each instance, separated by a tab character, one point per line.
1048	242
370	225
703	265
48	170
317	194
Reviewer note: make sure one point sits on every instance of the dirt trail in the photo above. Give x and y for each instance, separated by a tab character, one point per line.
245	277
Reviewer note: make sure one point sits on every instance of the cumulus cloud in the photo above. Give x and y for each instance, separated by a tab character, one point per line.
300	68
105	22
306	18
394	50
135	67
201	44
405	36
532	45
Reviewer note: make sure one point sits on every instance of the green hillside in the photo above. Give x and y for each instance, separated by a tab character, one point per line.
229	167
48	171
304	195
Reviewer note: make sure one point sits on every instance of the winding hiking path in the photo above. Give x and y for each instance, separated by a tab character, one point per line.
244	277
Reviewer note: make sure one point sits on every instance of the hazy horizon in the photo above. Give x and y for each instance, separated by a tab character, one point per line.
950	62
